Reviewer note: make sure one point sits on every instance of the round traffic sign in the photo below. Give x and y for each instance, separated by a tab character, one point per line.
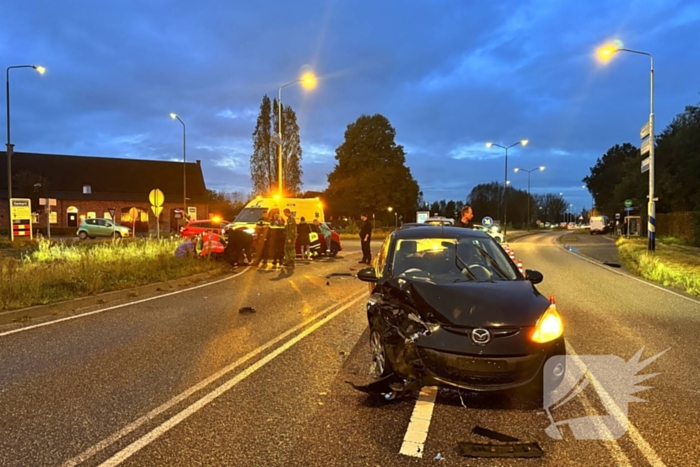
487	221
628	203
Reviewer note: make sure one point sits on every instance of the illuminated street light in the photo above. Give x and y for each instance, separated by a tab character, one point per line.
529	206
605	53
184	163
522	142
10	146
308	81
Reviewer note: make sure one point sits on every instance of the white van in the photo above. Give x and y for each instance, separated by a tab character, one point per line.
599	224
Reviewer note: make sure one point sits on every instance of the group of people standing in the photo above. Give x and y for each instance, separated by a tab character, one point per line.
276	239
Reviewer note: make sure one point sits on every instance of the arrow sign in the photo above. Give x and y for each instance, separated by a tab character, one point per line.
645	147
156	197
645	164
644	132
487	221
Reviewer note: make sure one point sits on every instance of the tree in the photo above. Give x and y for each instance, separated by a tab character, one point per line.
485	199
30	185
264	166
371	173
226	205
435	209
550	207
263	150
608	173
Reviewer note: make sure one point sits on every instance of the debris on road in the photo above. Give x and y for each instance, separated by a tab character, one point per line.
247	310
470	449
612	265
338	274
439	457
493	434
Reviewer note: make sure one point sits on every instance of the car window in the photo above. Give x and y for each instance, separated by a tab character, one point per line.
249	215
381	258
445	260
91	221
101	222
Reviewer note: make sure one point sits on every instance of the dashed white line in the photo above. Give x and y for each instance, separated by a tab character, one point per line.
85	455
156	433
417	431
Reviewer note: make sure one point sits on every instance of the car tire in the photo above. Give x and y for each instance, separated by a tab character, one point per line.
380	366
117	235
83	235
335	248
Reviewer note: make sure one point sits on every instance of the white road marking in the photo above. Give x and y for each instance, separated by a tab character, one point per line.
417	431
85	455
156	433
115	307
639	441
608	268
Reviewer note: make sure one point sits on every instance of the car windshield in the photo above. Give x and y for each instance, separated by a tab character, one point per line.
249	215
445	260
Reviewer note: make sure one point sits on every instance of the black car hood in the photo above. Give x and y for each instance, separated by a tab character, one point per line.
469	304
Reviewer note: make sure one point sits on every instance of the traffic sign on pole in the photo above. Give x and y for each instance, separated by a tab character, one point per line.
645	147
644	132
487	221
628	203
645	164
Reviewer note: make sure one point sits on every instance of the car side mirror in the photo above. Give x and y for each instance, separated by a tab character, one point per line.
534	276
367	275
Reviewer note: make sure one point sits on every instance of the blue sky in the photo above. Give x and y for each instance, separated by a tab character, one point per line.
449	75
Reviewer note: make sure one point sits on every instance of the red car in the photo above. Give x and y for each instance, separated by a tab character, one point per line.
200	227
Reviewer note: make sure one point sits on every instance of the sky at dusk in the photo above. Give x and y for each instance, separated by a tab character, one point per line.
449	76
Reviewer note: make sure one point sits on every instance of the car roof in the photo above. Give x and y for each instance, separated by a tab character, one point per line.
433	231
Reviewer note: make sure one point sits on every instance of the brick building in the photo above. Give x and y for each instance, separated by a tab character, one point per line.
86	187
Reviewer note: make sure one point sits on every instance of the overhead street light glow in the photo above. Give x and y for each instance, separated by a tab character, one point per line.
40	69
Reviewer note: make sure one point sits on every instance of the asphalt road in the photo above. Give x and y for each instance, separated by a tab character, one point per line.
185	379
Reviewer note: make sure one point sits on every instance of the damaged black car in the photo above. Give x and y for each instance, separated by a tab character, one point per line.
449	308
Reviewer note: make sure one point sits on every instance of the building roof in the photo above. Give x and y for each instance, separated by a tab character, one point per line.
110	178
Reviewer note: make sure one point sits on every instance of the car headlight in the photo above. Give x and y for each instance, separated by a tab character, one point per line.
249	231
548	327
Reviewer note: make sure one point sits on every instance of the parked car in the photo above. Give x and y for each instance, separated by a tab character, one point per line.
97	227
449	308
201	227
439	220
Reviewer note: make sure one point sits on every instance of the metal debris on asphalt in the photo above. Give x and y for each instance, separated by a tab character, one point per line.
338	274
470	449
247	309
485	432
439	457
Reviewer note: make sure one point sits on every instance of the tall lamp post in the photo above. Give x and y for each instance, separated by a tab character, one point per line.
605	53
309	82
516	170
505	181
184	164
10	146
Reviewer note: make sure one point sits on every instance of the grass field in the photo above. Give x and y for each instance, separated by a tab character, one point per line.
674	264
50	272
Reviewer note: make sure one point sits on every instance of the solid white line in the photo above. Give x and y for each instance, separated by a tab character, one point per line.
417	430
156	433
115	307
113	438
643	446
608	268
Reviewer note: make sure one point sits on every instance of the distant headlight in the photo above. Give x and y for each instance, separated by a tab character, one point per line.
548	327
249	231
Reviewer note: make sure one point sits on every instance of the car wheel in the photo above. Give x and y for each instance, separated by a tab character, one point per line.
83	235
334	249
380	366
117	235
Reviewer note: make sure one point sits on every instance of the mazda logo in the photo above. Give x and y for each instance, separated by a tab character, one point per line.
481	336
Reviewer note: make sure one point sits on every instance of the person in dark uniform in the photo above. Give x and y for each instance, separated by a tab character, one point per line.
466	219
365	239
237	243
262	229
276	239
303	232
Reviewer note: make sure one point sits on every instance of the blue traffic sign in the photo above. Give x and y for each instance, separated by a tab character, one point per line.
629	209
487	221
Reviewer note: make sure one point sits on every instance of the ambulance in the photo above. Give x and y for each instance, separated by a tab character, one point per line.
308	208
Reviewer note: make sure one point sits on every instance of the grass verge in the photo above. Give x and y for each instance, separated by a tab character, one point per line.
673	264
53	272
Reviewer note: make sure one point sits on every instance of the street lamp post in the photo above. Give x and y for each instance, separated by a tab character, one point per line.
606	53
10	146
517	169
184	163
308	81
505	181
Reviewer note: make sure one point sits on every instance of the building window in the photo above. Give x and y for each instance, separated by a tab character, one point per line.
35	218
87	189
91	215
53	217
107	215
